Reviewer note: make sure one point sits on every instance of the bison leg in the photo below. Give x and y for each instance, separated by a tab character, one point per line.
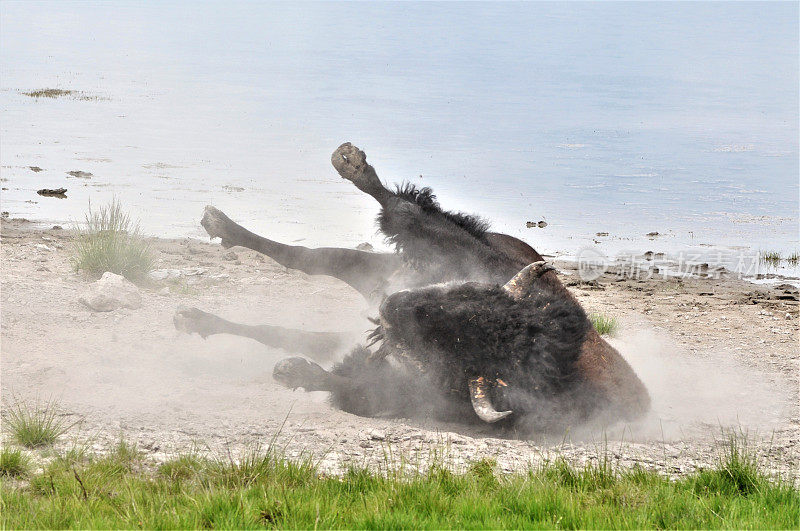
351	163
299	372
366	272
318	345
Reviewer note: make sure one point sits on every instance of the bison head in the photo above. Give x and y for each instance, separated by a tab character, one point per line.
509	348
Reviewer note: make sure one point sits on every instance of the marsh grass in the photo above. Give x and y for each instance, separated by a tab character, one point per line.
793	258
50	93
603	324
60	93
37	424
771	257
13	463
263	489
110	241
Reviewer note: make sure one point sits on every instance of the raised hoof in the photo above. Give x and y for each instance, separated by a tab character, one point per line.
217	225
540	268
351	163
299	372
193	320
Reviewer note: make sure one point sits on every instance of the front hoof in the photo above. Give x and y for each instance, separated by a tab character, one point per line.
299	372
216	224
194	320
349	161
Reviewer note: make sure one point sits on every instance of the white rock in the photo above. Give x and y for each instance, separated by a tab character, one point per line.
164	274
376	435
111	292
43	247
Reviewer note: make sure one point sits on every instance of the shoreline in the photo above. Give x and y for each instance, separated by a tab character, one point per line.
716	355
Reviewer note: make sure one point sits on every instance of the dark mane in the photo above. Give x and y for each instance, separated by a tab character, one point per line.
426	200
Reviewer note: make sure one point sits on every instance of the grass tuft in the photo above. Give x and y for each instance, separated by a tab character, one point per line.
737	470
13	463
112	242
603	324
50	93
39	424
794	258
61	93
771	257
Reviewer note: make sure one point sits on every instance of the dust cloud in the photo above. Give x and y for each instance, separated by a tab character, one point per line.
701	390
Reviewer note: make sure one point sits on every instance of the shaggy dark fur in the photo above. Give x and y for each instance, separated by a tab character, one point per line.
441	245
439	337
426	200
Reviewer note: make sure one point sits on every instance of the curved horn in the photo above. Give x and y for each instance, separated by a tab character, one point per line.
518	286
481	403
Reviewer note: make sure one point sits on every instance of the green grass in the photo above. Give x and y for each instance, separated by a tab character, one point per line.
603	324
793	258
264	490
13	463
771	257
110	241
34	425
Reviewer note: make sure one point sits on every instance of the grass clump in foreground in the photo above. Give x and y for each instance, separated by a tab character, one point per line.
112	242
13	463
603	324
34	425
265	490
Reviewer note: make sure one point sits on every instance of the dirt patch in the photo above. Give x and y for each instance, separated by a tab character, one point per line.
715	354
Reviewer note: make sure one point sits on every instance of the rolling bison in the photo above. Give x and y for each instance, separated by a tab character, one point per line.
473	325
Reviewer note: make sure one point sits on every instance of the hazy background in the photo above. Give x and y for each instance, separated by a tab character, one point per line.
624	118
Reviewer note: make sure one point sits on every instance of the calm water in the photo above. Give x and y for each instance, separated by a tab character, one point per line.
618	118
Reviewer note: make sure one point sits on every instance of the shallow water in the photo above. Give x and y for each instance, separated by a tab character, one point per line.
624	119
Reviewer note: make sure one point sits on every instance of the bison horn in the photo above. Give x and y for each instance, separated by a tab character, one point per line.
483	407
518	286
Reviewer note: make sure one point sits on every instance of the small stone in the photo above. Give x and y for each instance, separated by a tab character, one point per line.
230	256
80	174
377	435
43	247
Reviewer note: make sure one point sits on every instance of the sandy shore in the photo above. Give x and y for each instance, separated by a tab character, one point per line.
716	354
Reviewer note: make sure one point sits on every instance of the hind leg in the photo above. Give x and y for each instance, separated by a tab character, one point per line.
366	272
318	345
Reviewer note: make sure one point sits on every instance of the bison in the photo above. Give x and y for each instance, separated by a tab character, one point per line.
473	325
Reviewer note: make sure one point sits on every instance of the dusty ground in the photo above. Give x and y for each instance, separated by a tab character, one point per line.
716	355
